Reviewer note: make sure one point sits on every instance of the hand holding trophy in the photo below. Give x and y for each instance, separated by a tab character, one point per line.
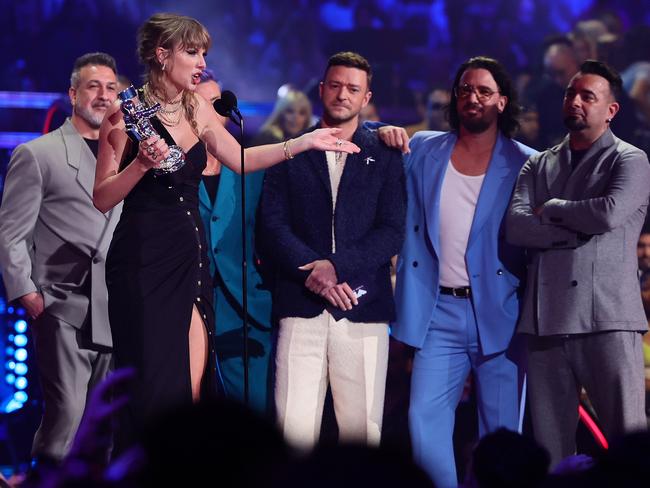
138	127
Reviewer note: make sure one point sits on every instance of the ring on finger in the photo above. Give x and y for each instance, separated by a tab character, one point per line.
339	142
150	150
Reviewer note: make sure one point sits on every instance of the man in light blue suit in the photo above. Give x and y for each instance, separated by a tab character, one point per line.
457	279
220	208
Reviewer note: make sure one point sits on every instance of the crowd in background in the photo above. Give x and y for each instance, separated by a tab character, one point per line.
414	46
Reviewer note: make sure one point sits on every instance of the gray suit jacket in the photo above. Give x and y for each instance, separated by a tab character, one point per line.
582	251
52	238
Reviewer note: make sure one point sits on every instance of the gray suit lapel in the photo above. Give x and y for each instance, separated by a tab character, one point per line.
558	171
575	185
80	157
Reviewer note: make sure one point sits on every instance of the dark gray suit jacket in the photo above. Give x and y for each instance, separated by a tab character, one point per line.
52	238
582	251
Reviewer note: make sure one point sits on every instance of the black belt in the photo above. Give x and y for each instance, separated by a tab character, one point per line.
462	292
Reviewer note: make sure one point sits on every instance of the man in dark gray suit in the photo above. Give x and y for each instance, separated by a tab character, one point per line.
579	208
53	244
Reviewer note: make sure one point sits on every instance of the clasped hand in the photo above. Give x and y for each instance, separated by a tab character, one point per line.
323	281
152	151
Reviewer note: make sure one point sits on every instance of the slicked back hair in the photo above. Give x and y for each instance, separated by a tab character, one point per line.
88	59
592	67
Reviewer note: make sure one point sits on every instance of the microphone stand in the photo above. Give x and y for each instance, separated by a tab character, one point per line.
244	263
236	116
230	110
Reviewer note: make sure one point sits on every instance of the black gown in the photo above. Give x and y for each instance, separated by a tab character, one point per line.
156	271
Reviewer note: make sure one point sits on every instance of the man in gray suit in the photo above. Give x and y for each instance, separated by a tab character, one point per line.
53	243
578	208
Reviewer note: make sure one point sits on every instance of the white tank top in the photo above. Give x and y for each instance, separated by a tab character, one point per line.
457	206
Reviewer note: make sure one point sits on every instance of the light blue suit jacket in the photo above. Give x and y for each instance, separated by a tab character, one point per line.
495	268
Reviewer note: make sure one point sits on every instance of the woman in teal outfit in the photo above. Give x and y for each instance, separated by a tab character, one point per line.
220	209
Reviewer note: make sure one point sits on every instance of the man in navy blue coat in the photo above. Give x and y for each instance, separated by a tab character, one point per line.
330	224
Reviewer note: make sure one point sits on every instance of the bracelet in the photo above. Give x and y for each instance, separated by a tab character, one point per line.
286	147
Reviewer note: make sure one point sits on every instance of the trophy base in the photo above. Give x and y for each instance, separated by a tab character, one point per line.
172	163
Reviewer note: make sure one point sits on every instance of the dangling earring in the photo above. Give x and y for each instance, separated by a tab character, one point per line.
163	66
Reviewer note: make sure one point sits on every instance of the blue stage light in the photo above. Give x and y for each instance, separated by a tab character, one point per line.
10	337
10	309
20	354
10	378
33	100
20	340
21	383
10	365
9	140
21	312
21	369
9	351
20	326
20	396
12	406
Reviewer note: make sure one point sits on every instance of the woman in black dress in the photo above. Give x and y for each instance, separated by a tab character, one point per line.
157	271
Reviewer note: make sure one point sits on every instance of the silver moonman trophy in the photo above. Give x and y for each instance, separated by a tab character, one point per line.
138	127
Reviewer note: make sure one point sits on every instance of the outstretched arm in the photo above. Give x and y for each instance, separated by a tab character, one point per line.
223	146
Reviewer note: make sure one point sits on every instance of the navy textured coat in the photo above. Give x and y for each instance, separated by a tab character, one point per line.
296	227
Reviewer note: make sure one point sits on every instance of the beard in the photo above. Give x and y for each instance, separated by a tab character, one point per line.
93	118
574	123
477	125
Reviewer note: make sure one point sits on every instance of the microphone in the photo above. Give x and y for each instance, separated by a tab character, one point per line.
226	106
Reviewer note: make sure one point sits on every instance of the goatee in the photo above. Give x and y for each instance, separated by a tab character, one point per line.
574	123
93	119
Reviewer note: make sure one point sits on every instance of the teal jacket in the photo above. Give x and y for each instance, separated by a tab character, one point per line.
222	224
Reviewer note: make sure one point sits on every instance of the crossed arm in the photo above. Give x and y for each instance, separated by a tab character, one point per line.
559	223
524	226
626	191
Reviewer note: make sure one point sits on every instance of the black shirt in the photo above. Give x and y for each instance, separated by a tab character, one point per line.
211	183
93	144
576	157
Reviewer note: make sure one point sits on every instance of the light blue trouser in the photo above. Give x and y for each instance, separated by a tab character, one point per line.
450	350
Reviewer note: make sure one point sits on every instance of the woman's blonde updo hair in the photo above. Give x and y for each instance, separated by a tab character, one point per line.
293	98
170	31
